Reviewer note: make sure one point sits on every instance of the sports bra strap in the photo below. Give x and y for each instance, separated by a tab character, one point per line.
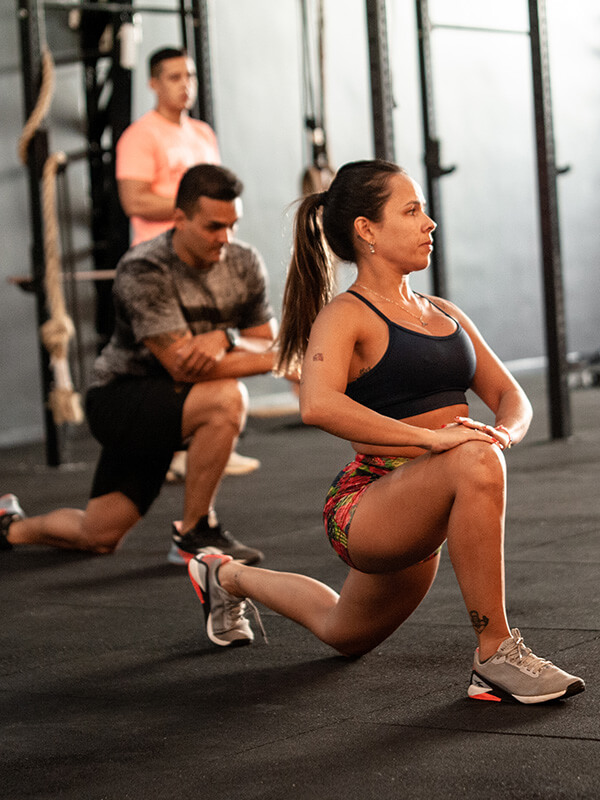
370	304
383	316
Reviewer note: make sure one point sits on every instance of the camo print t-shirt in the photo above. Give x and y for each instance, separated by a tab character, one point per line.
155	292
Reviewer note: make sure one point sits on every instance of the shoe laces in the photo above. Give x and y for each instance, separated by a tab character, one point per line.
257	618
235	610
521	656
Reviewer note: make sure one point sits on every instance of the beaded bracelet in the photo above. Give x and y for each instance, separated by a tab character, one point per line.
504	430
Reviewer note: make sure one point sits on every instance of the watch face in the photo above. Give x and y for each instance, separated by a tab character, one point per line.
231	335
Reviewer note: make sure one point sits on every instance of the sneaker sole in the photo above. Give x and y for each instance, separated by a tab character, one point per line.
492	692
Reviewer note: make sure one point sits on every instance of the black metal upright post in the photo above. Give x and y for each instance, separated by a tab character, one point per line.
381	82
202	47
108	112
32	37
433	168
108	107
556	344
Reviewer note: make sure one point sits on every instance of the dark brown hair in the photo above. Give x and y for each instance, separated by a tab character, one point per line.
359	189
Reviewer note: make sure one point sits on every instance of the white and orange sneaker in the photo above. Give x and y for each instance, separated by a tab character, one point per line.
223	612
514	673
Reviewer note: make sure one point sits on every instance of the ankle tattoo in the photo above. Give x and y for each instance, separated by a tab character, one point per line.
479	623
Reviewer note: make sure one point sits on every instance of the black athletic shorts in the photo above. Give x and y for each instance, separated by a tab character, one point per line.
138	423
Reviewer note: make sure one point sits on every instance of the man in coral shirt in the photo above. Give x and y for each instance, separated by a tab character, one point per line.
153	153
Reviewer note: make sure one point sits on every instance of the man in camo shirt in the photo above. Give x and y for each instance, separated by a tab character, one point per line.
192	318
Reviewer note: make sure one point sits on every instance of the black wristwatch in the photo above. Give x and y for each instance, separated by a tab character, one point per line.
233	337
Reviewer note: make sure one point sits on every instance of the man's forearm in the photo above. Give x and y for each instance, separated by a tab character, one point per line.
138	200
240	364
254	344
152	206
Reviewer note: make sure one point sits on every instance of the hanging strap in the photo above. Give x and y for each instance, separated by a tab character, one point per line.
314	86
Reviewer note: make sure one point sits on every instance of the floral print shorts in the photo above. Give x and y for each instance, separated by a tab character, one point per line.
345	493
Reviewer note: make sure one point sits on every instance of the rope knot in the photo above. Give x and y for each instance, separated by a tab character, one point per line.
56	333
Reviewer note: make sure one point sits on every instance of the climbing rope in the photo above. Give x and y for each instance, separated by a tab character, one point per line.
42	105
56	333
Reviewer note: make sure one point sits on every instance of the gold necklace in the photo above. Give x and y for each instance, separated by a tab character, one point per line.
395	302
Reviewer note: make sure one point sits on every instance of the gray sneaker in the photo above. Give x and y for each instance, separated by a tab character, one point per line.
515	673
224	613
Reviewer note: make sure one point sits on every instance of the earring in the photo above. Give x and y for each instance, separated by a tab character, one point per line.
372	248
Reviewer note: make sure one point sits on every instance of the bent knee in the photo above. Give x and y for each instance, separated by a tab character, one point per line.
233	390
231	399
102	549
102	542
481	463
220	403
352	654
233	405
353	646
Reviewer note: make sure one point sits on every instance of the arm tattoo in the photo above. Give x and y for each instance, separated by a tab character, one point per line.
364	370
479	623
318	357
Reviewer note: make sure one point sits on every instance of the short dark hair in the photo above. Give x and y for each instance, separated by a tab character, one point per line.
161	55
206	180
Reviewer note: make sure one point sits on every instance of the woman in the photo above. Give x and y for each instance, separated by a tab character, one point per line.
387	369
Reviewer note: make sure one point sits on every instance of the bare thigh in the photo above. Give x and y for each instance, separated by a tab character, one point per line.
403	517
371	607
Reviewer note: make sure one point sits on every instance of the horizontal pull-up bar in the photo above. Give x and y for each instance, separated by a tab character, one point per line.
68	60
477	29
114	8
28	284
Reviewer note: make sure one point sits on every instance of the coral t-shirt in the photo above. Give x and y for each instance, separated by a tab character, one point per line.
158	151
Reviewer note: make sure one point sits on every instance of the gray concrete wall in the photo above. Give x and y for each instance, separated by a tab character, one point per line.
485	120
19	393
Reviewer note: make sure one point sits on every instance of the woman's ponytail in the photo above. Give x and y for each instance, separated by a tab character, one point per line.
309	285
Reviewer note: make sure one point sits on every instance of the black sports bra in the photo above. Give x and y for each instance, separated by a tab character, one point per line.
417	373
